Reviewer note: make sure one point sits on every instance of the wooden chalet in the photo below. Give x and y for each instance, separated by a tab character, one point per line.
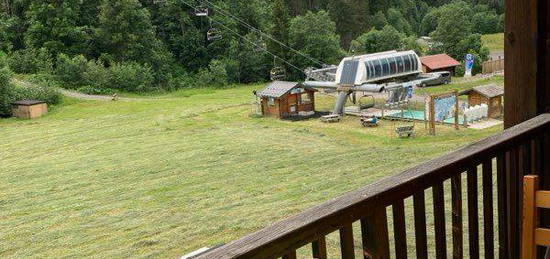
286	99
491	95
482	181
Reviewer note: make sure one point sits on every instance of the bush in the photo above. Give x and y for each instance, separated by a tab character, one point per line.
184	80
96	76
6	95
30	61
71	71
46	94
131	77
486	22
214	76
3	59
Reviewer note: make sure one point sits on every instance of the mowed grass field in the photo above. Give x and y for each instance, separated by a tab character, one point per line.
162	176
495	42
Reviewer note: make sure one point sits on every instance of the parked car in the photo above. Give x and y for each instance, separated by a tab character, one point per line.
436	78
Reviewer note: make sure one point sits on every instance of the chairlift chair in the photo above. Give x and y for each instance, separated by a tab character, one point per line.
201	11
277	73
367	102
213	34
260	46
159	1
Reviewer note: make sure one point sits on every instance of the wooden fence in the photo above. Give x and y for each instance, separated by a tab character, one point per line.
493	66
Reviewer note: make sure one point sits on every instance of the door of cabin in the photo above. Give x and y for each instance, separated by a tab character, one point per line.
292	104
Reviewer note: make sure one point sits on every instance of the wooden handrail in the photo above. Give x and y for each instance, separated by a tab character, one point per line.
313	224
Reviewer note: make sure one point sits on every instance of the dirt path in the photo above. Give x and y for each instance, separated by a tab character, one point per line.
75	94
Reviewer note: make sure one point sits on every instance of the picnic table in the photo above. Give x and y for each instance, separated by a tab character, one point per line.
331	118
405	131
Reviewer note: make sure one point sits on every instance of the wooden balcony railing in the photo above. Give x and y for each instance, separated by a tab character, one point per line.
510	155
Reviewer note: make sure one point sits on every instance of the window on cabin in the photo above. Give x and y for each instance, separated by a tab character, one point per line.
271	101
304	98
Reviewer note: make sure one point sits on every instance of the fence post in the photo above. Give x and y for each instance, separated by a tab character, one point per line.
374	230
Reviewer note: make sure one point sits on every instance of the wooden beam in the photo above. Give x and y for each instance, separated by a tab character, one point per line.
522	61
544	30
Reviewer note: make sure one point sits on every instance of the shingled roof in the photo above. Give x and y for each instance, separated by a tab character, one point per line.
439	61
278	89
489	91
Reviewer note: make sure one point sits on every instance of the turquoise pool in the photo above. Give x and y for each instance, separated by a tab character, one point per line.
418	115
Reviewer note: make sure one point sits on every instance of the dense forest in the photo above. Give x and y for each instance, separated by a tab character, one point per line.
98	46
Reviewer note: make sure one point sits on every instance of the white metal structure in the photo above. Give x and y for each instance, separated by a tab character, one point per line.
371	68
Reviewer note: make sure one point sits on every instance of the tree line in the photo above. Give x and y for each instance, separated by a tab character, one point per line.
142	45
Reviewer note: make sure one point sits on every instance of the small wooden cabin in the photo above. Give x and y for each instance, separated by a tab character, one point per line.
491	95
282	99
29	109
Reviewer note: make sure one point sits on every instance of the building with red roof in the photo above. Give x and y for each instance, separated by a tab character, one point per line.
438	63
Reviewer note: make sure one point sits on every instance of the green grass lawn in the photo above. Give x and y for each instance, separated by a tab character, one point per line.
162	176
495	42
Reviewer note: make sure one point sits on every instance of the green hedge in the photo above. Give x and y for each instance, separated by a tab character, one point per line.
94	77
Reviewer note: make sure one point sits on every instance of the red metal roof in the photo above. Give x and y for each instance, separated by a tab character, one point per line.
439	61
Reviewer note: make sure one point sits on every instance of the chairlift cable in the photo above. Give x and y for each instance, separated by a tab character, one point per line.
249	41
254	44
252	28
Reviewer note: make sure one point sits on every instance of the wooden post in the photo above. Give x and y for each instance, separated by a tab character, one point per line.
426	112
457	107
526	67
527	79
374	230
432	115
528	247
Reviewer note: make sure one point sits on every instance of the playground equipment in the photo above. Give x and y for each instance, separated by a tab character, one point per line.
366	102
441	108
476	113
331	118
369	121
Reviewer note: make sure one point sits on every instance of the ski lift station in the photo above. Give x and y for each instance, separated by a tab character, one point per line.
374	72
372	68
